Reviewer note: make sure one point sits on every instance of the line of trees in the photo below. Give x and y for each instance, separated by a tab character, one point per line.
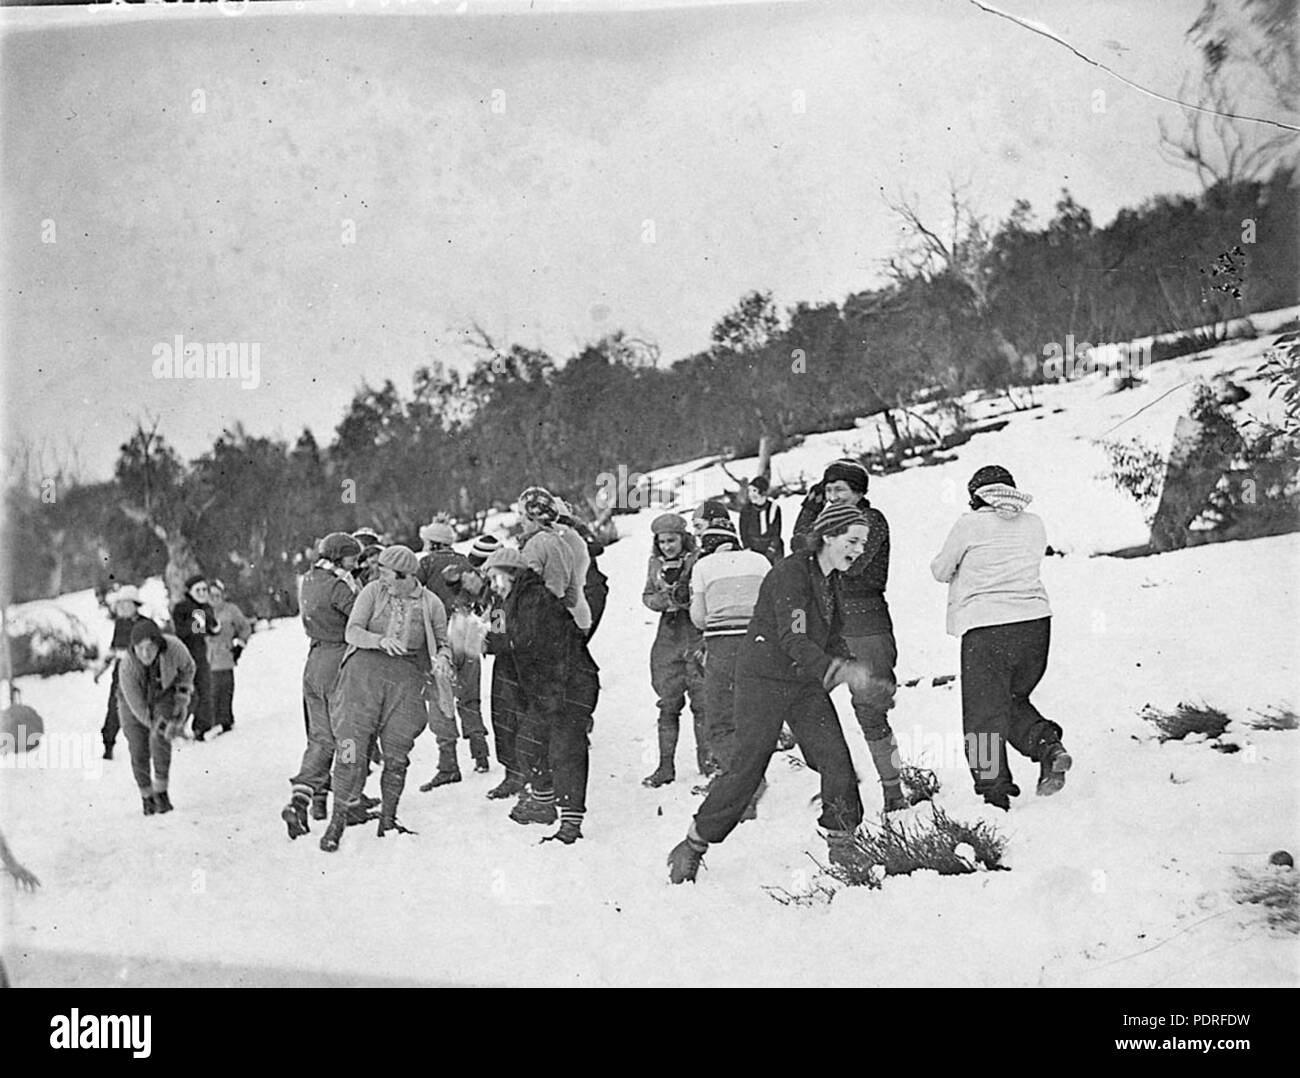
964	307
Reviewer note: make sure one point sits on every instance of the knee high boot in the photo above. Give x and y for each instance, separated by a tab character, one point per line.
666	772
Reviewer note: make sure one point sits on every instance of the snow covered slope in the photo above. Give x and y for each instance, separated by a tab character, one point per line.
1125	878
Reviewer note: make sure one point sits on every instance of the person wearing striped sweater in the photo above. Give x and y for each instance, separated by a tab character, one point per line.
724	588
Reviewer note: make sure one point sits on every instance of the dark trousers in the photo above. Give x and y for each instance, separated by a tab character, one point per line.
1000	667
112	724
223	697
151	752
553	749
507	704
674	675
318	678
720	655
872	705
762	705
201	699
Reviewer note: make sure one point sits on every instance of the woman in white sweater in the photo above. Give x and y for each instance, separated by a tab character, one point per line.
998	606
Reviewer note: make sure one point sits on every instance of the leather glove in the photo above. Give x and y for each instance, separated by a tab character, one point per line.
236	650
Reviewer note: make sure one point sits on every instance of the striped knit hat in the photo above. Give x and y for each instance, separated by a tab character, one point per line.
482	549
538	503
718	533
836	518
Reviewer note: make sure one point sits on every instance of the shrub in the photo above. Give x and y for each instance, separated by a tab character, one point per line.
901	847
1276	718
1186	719
919	783
46	640
1277	889
1138	469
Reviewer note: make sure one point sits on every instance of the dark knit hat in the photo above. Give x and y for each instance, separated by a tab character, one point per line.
836	518
483	548
850	471
713	510
339	545
759	483
194	578
717	534
146	630
987	476
366	537
400	559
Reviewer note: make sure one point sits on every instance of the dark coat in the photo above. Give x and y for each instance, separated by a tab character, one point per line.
551	659
796	628
863	587
194	623
429	573
754	536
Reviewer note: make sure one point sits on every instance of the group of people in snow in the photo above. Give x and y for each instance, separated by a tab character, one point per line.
401	650
167	685
753	640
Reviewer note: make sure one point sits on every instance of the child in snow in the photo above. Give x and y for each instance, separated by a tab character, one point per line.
397	644
224	650
559	685
793	655
868	628
675	670
436	558
126	615
155	685
998	606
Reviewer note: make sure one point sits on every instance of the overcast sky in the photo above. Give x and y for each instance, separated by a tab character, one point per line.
507	168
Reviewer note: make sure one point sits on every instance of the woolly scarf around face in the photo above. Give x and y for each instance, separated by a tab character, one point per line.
1007	500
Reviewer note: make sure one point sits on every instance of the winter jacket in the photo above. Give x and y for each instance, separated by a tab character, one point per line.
379	613
194	623
668	589
234	626
325	601
862	588
795	633
549	557
581	560
760	529
724	589
548	648
990	563
429	573
169	679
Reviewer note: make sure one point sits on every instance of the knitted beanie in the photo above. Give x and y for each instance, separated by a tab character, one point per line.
717	534
146	630
759	483
400	559
438	531
837	518
507	558
339	545
988	475
483	548
850	471
194	578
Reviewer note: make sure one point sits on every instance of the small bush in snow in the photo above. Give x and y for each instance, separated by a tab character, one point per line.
919	783
46	640
899	848
1186	719
1276	718
1277	889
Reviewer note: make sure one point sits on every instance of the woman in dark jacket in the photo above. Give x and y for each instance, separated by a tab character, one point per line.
194	621
792	657
559	684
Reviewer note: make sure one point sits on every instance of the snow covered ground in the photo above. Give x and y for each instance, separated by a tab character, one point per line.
1125	878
